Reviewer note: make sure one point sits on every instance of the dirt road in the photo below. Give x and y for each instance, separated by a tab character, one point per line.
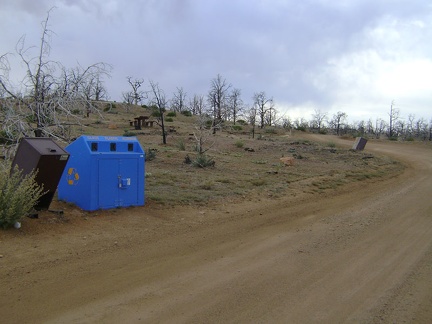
363	254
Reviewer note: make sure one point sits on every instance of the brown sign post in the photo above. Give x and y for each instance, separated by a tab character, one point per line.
359	144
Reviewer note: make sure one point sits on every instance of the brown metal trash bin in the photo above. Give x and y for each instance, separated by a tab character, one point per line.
45	156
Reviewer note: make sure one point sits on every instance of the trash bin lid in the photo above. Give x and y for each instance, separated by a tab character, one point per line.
44	146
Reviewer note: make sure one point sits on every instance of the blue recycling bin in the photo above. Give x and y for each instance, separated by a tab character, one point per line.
103	172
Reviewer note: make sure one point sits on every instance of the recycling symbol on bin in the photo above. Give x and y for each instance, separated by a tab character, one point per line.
72	176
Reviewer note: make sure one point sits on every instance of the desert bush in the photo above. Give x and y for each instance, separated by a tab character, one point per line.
186	113
181	145
128	133
203	161
171	114
150	154
169	119
18	194
237	127
239	143
155	114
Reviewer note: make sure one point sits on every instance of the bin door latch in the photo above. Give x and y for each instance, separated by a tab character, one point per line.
124	182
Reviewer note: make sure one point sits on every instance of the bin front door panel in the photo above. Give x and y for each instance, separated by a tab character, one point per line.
128	182
108	183
118	182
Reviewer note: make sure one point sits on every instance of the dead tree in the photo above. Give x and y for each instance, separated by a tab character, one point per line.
202	135
338	120
178	102
251	116
159	100
393	117
263	106
235	104
136	94
197	105
318	119
217	97
44	102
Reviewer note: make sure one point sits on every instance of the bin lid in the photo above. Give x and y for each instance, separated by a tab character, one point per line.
44	145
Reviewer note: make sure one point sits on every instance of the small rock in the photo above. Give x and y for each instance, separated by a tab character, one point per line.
272	172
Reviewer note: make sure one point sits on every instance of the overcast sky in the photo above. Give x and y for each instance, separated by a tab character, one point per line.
355	56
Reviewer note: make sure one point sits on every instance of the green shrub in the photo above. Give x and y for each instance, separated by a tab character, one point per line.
241	122
128	133
237	127
18	195
186	113
239	143
181	145
171	114
150	154
203	161
169	119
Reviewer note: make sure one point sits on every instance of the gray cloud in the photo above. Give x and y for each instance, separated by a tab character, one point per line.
319	53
